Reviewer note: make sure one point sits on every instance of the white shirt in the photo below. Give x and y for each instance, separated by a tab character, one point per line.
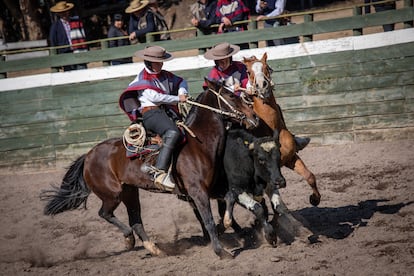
278	8
151	97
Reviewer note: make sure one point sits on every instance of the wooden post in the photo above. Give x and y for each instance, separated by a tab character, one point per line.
3	75
53	52
308	18
253	26
407	4
357	11
199	33
149	37
104	45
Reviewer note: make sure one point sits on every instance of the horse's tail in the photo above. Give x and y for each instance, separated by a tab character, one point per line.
72	192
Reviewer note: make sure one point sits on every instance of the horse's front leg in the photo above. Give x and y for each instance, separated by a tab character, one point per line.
202	203
298	166
130	197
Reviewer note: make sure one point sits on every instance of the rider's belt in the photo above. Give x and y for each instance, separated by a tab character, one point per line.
148	108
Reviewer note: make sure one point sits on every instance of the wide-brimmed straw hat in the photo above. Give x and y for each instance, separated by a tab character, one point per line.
136	5
61	6
154	53
221	51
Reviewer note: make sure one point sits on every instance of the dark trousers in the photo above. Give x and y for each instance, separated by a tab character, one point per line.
157	121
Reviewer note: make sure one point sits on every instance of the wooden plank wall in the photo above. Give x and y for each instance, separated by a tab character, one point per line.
333	98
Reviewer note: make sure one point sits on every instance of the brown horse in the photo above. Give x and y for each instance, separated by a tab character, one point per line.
266	107
114	178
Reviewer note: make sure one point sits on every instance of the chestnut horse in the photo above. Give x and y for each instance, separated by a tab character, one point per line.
114	178
265	106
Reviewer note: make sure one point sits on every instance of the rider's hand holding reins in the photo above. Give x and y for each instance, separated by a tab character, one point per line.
183	98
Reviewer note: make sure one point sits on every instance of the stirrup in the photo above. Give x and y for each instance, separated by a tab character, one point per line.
163	181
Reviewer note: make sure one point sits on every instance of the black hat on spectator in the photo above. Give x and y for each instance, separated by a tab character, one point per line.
117	17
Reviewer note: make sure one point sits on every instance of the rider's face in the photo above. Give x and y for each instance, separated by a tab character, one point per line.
223	63
157	66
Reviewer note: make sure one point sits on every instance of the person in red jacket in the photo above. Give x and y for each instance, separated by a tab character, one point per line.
67	30
234	75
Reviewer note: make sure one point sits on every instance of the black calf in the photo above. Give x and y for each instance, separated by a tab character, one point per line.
250	164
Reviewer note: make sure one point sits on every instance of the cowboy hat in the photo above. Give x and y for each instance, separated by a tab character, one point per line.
221	51
61	6
154	53
136	5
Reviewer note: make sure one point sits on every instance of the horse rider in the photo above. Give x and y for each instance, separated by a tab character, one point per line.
234	75
158	92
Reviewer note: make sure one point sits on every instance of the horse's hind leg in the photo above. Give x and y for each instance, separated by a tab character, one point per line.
107	213
298	166
130	197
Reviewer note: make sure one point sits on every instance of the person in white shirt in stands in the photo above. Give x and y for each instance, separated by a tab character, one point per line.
271	8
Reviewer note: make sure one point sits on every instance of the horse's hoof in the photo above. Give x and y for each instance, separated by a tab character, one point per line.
153	249
130	242
225	255
314	200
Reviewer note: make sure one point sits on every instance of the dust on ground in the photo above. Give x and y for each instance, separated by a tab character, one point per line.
363	226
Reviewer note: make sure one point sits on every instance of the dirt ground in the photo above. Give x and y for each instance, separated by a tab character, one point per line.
364	225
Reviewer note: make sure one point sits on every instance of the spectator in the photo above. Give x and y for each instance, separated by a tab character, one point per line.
158	93
229	12
271	8
160	23
204	15
232	73
117	30
141	21
67	30
380	8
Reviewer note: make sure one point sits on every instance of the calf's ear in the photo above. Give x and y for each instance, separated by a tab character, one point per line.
251	146
276	135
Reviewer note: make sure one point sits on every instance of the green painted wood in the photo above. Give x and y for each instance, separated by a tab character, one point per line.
339	98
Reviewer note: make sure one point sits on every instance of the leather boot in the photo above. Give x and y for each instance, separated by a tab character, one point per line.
301	143
163	178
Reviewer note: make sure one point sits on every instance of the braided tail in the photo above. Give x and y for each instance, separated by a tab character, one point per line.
72	192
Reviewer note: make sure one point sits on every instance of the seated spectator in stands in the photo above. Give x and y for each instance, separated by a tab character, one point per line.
117	30
271	8
204	15
229	12
141	21
380	8
67	30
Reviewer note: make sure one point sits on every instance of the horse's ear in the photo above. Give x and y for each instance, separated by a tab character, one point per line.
264	57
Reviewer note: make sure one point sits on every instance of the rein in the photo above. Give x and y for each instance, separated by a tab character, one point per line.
233	114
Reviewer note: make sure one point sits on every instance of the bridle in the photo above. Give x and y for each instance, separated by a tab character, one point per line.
263	89
233	113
